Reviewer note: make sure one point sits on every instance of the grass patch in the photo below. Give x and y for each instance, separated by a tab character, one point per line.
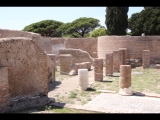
143	80
73	94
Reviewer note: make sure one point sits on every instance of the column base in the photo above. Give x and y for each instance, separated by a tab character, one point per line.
126	91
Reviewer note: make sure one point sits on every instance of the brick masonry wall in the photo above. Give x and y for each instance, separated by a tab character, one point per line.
16	33
27	66
78	55
4	33
134	44
46	44
51	45
86	44
4	88
95	47
57	44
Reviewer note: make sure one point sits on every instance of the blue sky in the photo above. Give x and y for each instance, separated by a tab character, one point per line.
16	18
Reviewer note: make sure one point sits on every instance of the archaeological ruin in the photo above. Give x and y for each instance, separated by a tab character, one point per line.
28	62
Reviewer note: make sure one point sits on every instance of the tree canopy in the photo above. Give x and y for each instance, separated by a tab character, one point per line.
147	21
79	27
45	28
98	32
116	20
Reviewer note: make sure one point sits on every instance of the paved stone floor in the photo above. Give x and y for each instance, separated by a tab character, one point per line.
114	103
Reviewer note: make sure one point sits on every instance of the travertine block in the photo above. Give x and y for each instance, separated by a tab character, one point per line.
83	79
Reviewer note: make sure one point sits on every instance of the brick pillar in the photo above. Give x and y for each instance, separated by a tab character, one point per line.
4	89
65	61
125	80
52	66
109	64
120	57
123	57
146	58
83	79
116	60
98	69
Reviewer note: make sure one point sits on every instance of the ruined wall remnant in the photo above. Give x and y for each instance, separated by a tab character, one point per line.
52	45
116	60
27	71
124	55
120	56
98	69
95	47
109	64
146	58
4	33
65	61
4	89
76	66
57	44
78	55
134	44
85	44
51	63
46	44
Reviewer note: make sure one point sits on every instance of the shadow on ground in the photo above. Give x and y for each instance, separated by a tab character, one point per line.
49	106
90	89
106	81
138	94
115	76
54	85
57	104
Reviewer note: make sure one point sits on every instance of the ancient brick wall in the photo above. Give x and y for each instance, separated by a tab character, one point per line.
134	44
4	88
95	47
78	55
57	44
46	45
4	33
27	67
16	33
85	44
52	45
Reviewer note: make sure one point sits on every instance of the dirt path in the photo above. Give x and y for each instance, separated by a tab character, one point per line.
63	88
